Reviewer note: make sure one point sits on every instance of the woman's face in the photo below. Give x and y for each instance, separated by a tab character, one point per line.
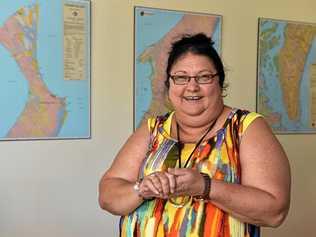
194	99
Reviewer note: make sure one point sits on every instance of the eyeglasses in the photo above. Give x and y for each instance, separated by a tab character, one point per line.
200	79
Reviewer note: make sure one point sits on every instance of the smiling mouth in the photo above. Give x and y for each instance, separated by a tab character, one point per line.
192	98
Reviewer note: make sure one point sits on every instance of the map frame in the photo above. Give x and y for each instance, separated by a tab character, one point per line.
86	5
269	117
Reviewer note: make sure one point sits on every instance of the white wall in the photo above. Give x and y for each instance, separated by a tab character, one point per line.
49	188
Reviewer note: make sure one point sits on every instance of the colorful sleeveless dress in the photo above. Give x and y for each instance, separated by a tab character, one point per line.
218	157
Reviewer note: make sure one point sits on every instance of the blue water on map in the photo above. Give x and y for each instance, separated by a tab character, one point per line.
12	83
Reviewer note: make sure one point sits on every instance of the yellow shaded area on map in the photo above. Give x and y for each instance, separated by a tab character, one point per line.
292	59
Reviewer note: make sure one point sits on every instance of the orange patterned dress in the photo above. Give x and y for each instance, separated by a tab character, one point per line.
218	157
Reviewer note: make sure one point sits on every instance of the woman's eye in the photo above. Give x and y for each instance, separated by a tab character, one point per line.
203	78
182	78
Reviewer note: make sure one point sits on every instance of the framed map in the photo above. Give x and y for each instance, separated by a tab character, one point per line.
286	80
155	30
45	69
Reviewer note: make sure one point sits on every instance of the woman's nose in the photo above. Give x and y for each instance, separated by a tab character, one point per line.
192	84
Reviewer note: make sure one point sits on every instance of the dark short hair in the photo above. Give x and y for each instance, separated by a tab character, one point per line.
198	44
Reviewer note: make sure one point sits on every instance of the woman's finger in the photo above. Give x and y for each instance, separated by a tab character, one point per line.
164	182
155	180
189	183
149	185
172	182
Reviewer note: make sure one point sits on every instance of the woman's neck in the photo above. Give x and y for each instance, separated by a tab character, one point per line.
192	128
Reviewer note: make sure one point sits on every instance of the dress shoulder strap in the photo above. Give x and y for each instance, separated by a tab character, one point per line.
154	123
237	122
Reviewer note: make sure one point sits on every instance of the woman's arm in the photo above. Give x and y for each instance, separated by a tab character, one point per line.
263	198
116	193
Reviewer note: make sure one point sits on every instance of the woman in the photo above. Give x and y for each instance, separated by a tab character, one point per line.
204	169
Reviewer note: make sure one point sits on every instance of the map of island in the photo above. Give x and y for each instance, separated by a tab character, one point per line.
287	53
155	31
50	106
292	60
44	113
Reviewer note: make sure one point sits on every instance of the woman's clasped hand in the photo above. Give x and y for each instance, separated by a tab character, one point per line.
171	183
